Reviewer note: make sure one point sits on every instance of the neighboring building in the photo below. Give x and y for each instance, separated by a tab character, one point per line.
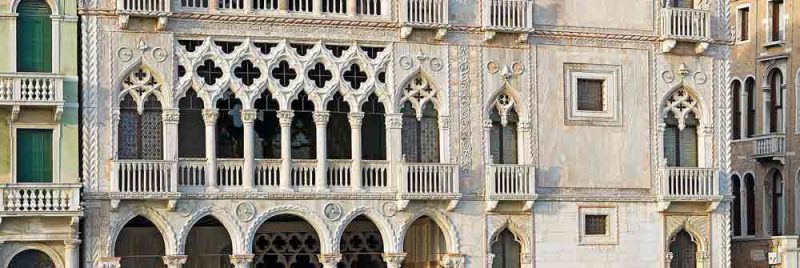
39	156
421	133
765	131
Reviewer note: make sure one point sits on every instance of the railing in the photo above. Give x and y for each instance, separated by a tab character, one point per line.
231	4
363	8
154	7
685	24
425	179
143	176
303	173
229	172
192	172
339	173
687	183
508	15
40	197
268	172
769	145
507	181
425	13
31	88
375	174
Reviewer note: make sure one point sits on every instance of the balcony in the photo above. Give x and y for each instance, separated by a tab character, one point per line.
688	184
770	147
303	10
428	181
508	16
40	200
32	89
685	25
424	14
510	183
159	9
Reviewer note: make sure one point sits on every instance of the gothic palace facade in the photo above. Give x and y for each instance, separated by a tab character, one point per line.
378	133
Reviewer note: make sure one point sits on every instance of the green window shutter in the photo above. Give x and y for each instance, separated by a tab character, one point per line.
34	155
34	37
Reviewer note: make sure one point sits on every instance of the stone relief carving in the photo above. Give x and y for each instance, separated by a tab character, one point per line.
389	209
245	211
332	211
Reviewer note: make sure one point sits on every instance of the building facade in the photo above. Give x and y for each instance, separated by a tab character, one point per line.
409	133
39	130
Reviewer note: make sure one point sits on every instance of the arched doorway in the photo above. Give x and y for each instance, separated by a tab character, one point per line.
506	249
684	251
31	258
424	244
286	241
140	244
208	245
361	245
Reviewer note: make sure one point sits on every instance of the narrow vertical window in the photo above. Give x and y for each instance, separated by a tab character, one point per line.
744	24
777	204
775	20
736	213
749	86
737	110
191	127
34	155
750	202
34	34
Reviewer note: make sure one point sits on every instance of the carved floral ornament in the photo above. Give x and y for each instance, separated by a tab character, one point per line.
421	59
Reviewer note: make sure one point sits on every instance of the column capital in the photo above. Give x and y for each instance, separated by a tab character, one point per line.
525	126
453	260
174	260
243	259
444	122
170	116
330	258
487	124
356	119
394	121
108	262
72	243
249	115
321	118
210	116
285	117
394	258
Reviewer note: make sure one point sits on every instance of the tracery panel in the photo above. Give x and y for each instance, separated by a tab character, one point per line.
304	136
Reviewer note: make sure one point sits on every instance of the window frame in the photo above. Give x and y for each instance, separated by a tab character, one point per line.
611	115
739	21
56	129
770	40
611	237
56	18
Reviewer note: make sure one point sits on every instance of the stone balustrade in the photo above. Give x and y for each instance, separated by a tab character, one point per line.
769	145
510	182
323	8
689	183
508	15
31	89
144	176
685	24
39	198
144	7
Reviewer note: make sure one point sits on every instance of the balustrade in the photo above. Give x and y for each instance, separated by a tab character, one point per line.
431	13
769	145
510	181
361	8
31	88
375	174
268	172
192	173
428	178
40	197
229	172
303	173
144	176
508	15
144	6
688	183
339	173
685	24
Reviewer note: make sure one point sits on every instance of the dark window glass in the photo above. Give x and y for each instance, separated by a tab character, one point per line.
595	224
590	94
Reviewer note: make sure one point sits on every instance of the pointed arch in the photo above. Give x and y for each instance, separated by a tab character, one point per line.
776	201
11	250
522	235
736	90
153	217
441	220
54	8
682	100
378	219
302	212
419	89
140	81
513	96
227	221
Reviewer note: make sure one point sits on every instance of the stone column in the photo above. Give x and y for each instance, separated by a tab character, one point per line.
330	260
248	120
283	5
174	261
321	121
356	119
444	139
108	262
241	261
285	119
71	256
170	119
394	148
394	260
210	118
351	7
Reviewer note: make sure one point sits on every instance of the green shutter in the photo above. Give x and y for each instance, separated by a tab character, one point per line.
34	34
34	155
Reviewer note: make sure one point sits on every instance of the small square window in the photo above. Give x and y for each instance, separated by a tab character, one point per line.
596	224
590	94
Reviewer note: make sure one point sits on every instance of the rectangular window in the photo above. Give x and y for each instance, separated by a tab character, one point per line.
744	24
34	155
776	27
590	94
596	224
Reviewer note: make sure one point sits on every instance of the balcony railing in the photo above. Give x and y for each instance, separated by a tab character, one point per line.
144	176
31	89
144	7
425	13
508	182
342	8
422	180
375	175
769	145
685	24
508	15
41	199
689	184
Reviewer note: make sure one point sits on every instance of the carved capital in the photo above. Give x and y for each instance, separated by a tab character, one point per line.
525	126
453	260
444	122
72	244
330	258
249	115
170	116
321	118
210	116
174	260
356	119
240	260
115	116
395	258
108	262
487	124
285	118
394	121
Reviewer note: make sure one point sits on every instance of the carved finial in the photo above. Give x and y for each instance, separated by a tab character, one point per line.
141	46
683	70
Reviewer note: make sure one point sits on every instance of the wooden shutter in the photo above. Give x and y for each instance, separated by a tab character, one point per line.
590	95
688	146
670	145
34	37
34	155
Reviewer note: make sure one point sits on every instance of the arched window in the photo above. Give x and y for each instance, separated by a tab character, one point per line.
34	36
338	130
737	207
736	87
749	86
286	241
776	204
503	136
304	136
750	202
373	130
423	244
268	130
230	128
680	132
140	244
208	245
140	134
684	250
774	103
191	128
361	245
31	258
420	133
506	250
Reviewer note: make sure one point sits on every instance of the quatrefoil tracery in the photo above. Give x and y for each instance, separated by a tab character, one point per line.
681	103
419	92
139	84
504	104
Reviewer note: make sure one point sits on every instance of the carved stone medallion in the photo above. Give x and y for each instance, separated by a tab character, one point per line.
125	54
333	211
389	209
405	62
700	78
517	68
668	76
159	54
436	64
184	209
493	67
245	211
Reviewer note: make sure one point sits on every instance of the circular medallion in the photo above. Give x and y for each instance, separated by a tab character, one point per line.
245	211
700	78
332	211
389	209
437	64
125	54
405	62
517	68
184	209
668	76
493	67
159	54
